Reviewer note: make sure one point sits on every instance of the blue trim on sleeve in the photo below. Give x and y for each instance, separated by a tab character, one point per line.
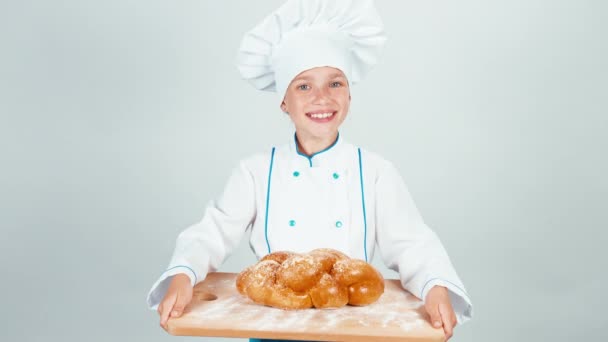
268	199
184	266
295	138
363	204
447	281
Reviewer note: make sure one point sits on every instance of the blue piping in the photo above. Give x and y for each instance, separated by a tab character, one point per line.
363	204
184	266
314	154
268	199
447	281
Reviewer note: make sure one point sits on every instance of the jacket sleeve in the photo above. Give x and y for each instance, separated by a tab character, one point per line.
203	247
410	247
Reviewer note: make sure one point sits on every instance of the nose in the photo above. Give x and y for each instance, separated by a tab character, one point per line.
321	95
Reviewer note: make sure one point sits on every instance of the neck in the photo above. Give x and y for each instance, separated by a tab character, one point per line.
312	145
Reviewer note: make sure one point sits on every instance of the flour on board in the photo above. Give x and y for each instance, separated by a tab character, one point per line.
394	309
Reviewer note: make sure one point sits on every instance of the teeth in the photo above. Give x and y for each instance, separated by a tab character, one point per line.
321	115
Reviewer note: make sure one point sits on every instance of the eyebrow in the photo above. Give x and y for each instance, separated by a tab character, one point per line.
308	78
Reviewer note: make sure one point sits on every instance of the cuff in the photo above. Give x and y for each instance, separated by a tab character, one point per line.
158	290
461	303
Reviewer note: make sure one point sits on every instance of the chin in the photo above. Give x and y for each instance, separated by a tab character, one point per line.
325	133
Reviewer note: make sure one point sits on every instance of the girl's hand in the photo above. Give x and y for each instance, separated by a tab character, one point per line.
439	307
177	297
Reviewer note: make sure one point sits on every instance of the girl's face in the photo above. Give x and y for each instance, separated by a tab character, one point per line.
317	101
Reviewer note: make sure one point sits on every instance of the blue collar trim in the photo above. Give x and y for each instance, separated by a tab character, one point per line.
295	138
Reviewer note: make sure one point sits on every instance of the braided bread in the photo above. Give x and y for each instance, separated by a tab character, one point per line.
322	278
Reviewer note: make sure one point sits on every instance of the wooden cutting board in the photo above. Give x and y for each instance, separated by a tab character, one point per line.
217	309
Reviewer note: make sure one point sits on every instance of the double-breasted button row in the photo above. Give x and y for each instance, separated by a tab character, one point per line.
292	223
335	175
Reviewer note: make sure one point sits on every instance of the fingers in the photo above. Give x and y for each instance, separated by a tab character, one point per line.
449	320
165	308
435	315
180	304
177	297
440	310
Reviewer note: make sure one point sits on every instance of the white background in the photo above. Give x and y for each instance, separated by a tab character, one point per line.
121	119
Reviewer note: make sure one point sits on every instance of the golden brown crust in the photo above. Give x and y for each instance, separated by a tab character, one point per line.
278	256
323	278
328	293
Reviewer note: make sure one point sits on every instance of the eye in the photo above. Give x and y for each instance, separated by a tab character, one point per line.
336	84
303	87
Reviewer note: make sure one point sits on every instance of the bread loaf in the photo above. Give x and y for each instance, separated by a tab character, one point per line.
322	278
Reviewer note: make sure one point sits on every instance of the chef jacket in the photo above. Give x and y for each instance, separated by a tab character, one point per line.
344	197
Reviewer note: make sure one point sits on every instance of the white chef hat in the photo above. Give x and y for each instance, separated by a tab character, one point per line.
304	34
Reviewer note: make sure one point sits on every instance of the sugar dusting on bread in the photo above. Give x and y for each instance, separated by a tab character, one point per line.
299	281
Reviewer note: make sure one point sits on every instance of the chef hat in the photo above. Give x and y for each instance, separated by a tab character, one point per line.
304	34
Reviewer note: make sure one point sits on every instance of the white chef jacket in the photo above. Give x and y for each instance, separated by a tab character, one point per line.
343	197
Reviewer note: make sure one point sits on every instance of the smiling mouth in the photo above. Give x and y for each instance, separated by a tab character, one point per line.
321	117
